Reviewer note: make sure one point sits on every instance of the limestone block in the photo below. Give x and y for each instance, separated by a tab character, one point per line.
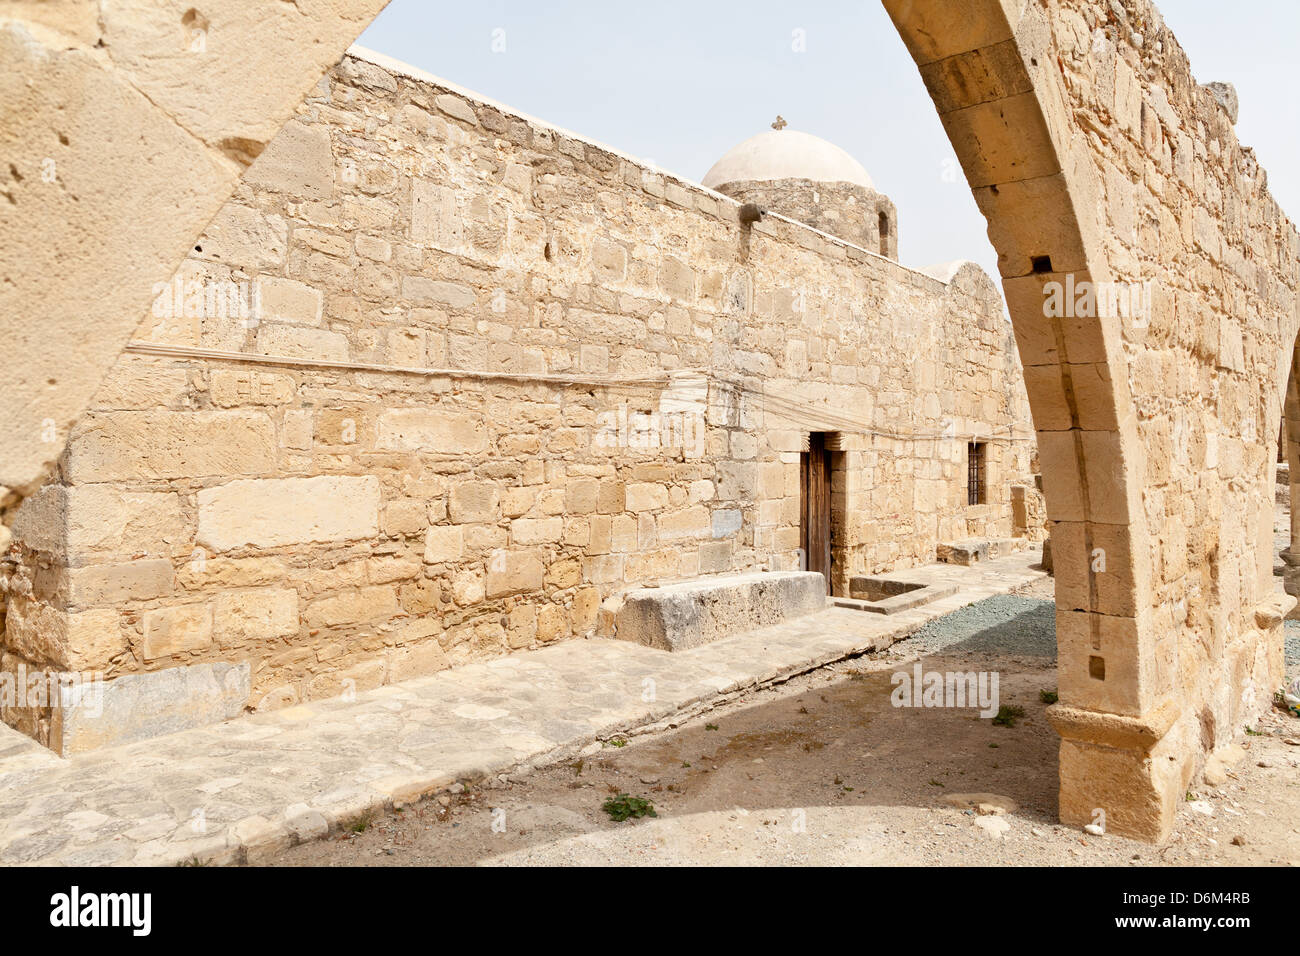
201	571
126	446
443	544
100	584
273	512
646	496
511	572
246	238
230	388
431	430
298	162
529	531
141	383
425	291
581	496
407	516
375	603
296	430
78	640
287	300
688	523
292	341
456	108
474	501
328	243
254	616
177	630
416	660
435	219
552	622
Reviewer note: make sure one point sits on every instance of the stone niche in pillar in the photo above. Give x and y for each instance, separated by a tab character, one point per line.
812	181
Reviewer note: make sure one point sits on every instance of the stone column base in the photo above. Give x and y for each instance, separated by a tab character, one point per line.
1123	773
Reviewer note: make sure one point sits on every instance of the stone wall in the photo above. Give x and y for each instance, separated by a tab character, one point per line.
440	379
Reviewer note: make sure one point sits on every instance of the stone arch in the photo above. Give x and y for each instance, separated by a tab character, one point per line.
1133	715
124	126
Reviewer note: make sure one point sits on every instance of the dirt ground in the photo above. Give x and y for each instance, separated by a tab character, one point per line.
824	770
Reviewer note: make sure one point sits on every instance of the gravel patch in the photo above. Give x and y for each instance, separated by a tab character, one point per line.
1291	630
1004	625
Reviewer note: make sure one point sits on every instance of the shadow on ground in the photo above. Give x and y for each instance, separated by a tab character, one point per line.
828	749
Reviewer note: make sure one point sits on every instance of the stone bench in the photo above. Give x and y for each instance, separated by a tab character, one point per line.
686	614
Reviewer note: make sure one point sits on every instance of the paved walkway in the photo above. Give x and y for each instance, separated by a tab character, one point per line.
248	788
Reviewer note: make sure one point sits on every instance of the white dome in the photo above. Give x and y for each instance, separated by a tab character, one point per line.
787	154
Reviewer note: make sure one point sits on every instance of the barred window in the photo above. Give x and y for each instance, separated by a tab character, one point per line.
975	485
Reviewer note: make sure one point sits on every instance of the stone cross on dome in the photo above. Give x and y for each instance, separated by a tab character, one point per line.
780	122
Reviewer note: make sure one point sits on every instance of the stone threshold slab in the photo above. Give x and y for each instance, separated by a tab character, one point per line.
246	789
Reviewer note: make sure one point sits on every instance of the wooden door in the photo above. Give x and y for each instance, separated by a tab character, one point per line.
815	520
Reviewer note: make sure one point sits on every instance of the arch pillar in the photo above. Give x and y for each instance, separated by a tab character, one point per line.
1290	555
990	68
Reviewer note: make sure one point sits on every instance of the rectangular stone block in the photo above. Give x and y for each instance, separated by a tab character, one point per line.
369	604
298	162
288	300
261	615
424	429
126	446
527	531
295	341
435	219
231	388
416	660
273	512
99	584
444	543
177	630
510	572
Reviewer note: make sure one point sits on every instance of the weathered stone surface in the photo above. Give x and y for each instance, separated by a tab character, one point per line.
231	388
273	512
259	615
288	300
363	604
297	162
176	630
419	429
292	341
499	496
514	571
117	583
690	613
444	543
82	640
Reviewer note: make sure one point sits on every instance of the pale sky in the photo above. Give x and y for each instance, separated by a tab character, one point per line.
680	83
